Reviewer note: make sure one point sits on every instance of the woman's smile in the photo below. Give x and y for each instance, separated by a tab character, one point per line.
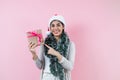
56	31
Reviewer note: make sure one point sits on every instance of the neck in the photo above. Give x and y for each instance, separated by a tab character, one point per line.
57	38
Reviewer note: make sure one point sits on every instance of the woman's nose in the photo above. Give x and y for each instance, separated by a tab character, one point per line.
55	27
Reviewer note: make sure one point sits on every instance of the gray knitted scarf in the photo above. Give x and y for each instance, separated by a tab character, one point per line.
61	46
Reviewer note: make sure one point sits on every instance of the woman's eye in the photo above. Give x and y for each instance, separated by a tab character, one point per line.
52	25
58	24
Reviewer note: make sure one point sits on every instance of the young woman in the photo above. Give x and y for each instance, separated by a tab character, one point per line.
56	53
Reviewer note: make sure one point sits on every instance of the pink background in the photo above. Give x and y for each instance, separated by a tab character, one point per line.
94	26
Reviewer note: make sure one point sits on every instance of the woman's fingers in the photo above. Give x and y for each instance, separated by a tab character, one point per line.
47	46
29	45
32	45
51	50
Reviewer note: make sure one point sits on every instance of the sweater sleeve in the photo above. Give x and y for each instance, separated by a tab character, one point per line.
40	61
68	63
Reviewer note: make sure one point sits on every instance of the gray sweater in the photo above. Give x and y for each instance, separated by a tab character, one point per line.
67	63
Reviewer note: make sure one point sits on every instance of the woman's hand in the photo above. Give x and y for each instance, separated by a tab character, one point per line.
54	52
32	47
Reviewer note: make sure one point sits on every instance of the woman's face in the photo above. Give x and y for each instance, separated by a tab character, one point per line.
56	28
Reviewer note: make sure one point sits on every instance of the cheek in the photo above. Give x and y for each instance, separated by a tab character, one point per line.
51	29
62	29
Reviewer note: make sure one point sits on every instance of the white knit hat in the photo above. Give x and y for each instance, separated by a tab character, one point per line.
57	17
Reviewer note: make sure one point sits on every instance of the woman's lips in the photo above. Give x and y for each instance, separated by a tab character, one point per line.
56	32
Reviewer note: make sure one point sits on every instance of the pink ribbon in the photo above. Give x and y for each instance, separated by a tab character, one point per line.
34	34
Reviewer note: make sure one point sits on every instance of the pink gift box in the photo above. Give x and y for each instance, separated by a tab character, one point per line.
35	36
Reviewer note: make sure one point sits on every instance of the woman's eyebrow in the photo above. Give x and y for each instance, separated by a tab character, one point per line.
58	23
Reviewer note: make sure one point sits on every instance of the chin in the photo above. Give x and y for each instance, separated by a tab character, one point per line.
56	35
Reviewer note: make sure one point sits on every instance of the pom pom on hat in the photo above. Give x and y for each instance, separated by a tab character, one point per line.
57	17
